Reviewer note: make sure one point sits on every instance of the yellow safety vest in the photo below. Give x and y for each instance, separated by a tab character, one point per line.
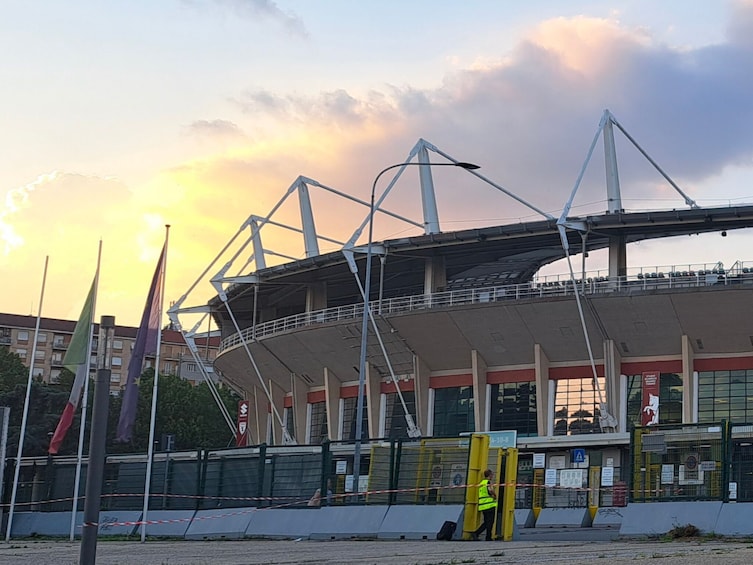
485	501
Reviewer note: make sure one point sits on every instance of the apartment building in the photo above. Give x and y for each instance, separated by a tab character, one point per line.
17	333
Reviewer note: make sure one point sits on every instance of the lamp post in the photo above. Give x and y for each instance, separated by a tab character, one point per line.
367	311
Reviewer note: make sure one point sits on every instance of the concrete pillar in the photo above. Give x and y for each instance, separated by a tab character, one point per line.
421	374
316	296
278	398
541	368
259	411
617	257
373	394
688	382
478	370
332	399
435	274
300	403
612	371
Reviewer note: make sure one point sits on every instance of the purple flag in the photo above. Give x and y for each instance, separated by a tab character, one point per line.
146	344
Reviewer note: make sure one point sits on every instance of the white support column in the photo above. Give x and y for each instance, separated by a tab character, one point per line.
428	198
373	391
541	367
688	381
300	392
435	274
421	375
257	401
316	296
612	370
259	260
617	245
478	371
332	398
310	241
278	399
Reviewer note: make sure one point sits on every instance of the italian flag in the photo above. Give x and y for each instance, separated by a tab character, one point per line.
76	360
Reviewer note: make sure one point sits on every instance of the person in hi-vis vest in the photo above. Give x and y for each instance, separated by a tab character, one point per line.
487	505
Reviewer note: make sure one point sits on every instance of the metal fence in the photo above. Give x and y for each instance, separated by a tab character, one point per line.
681	462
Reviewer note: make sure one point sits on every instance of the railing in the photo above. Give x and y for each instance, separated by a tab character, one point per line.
594	283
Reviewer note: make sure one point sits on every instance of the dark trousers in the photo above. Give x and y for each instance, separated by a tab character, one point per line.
488	524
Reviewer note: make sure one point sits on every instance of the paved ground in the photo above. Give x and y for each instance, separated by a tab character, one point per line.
250	552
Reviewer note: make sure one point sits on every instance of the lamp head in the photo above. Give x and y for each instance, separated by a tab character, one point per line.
467	166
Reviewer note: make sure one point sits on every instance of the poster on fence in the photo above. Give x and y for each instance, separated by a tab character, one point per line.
571	478
607	476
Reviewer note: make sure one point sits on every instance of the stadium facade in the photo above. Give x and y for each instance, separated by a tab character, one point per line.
469	336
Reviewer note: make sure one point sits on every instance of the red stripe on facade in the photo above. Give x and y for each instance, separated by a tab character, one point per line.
405	386
512	376
723	364
288	402
638	367
318	396
577	372
451	381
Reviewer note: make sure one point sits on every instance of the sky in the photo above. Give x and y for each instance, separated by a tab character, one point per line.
119	118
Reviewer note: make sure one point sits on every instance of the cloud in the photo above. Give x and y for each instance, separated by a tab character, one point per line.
262	10
215	129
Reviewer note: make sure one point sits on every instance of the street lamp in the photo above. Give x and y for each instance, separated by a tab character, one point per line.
367	311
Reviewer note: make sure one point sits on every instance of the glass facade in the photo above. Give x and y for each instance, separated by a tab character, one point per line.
319	428
725	395
350	408
513	407
395	425
453	411
576	406
670	398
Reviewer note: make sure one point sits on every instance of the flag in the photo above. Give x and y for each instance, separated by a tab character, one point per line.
76	360
146	344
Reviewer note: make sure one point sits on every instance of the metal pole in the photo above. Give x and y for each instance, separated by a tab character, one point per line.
367	313
25	416
97	443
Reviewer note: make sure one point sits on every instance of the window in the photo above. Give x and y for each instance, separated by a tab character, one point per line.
116	362
22	336
55	376
38	372
395	425
39	355
42	337
117	344
576	404
723	395
513	407
58	341
318	422
350	409
57	358
191	367
287	417
453	411
114	377
21	353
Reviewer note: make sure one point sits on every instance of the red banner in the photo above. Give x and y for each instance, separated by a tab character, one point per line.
241	431
650	398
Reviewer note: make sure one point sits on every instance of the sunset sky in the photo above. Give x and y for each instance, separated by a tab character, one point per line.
121	117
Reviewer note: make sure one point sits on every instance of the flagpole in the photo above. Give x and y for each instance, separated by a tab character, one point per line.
26	406
152	419
85	402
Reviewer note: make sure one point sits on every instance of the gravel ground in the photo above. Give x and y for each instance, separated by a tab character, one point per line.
247	552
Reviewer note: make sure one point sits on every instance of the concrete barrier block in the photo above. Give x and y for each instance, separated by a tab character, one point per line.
283	523
651	519
609	517
345	522
167	523
735	519
525	518
563	518
220	523
58	524
418	522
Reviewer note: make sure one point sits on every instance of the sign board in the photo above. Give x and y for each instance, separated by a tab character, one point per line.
436	476
498	439
539	460
571	478
550	478
650	398
341	467
557	461
708	465
578	455
607	476
733	491
363	483
667	474
241	431
457	477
